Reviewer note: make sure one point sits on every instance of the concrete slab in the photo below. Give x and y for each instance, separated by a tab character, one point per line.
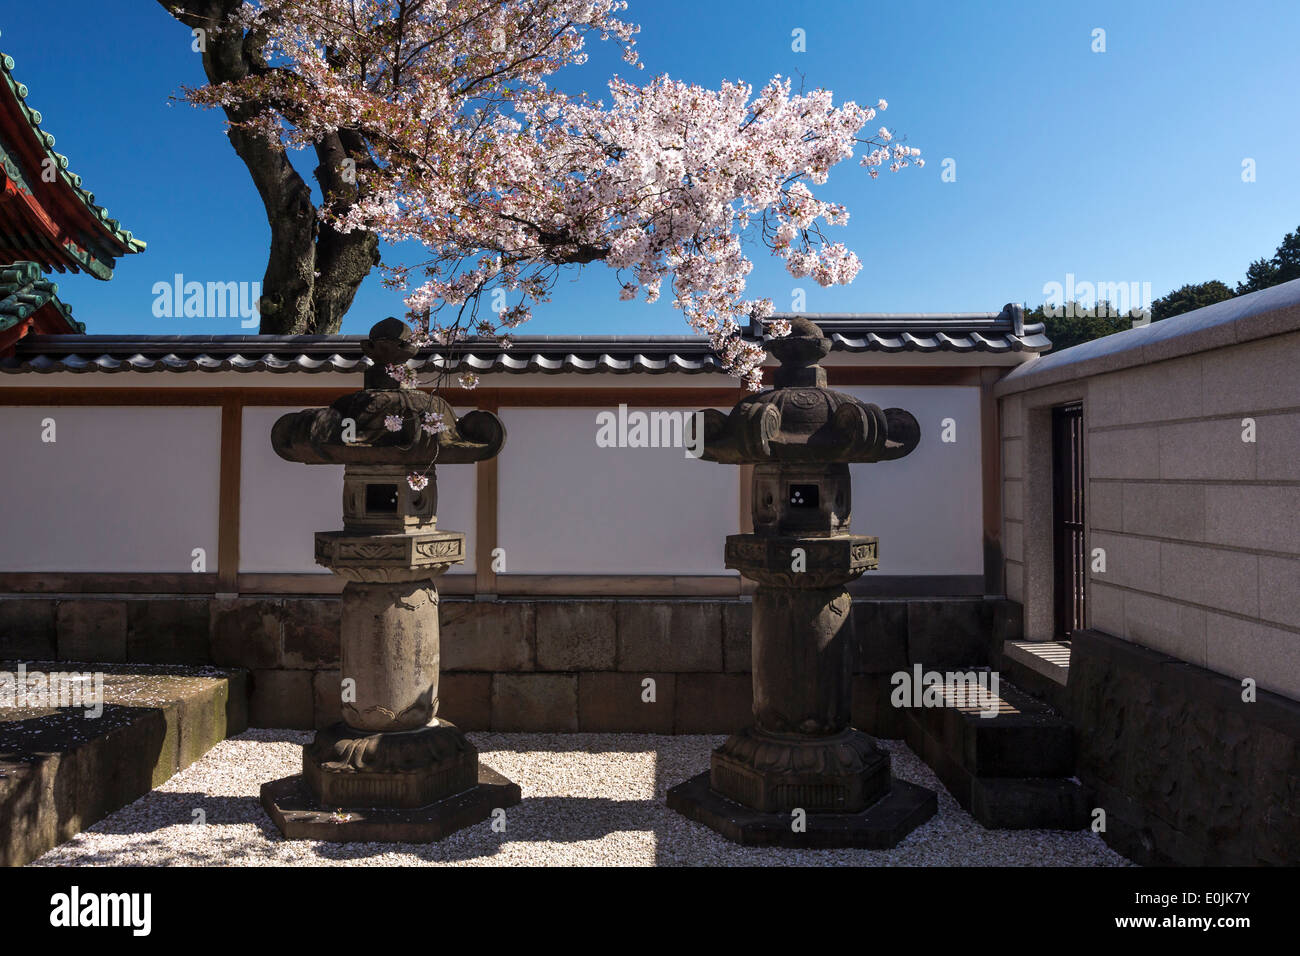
62	768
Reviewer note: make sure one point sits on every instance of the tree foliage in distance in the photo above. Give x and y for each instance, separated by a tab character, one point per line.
1071	326
1283	267
1084	325
1190	297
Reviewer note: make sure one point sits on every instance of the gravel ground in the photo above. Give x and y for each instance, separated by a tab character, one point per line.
589	799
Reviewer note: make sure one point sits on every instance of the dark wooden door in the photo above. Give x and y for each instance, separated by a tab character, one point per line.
1070	566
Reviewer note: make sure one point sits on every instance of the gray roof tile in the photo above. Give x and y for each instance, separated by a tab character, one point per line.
995	333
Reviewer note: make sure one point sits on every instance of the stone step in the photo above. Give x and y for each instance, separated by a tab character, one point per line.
1051	659
1024	737
1012	770
1013	803
1030	803
63	768
1040	668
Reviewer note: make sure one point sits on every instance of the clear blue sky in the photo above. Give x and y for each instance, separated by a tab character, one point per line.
1118	166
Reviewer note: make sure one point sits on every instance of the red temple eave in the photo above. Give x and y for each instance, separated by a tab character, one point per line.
46	216
48	243
48	222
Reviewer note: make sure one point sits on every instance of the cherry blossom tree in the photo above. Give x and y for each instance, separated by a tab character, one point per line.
437	121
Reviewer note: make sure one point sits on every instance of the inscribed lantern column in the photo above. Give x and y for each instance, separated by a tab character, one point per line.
392	769
801	775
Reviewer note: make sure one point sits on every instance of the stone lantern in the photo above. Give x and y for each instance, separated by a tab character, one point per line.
392	769
800	775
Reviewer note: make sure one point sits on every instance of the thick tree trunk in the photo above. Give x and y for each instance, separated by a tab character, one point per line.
312	272
342	259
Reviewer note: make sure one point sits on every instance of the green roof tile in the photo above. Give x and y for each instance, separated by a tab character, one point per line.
23	290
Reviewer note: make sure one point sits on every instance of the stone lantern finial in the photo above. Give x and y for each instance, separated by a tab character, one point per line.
390	343
799	352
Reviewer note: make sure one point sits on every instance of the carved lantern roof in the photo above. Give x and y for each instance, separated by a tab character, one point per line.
315	436
801	420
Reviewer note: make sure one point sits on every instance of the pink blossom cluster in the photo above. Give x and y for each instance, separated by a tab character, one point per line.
403	375
506	180
431	423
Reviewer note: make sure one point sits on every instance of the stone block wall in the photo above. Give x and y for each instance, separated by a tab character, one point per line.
1193	496
1192	499
1187	771
564	664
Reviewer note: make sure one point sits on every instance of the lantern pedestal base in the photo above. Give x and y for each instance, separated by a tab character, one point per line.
777	773
346	767
298	815
880	826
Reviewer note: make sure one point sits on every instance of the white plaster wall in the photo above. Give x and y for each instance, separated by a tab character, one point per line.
121	489
927	508
136	489
568	506
283	503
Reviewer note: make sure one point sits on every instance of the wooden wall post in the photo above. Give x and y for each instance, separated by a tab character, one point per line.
232	434
991	480
485	514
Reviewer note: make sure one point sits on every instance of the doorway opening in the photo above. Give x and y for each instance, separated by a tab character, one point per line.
1069	565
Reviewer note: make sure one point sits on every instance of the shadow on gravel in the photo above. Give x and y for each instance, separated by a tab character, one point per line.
541	819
